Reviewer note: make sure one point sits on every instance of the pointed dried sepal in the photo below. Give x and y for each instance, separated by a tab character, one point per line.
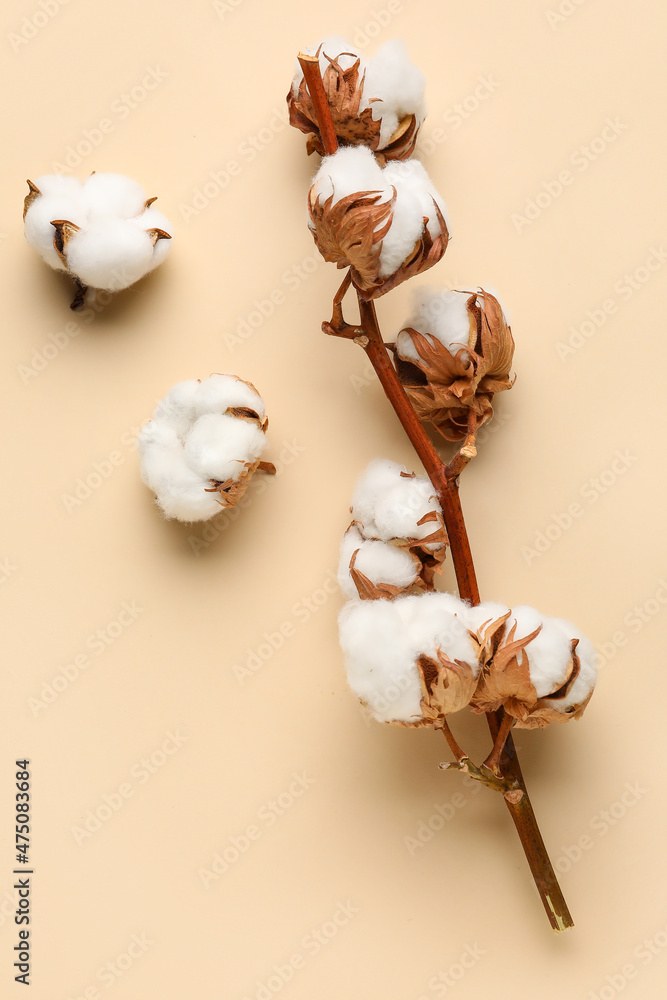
64	231
428	250
344	90
157	234
33	192
452	389
350	232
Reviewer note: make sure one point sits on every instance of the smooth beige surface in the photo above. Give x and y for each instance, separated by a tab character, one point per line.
330	799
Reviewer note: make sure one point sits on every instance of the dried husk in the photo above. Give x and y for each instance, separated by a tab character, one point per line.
447	687
350	233
344	91
454	391
504	680
33	192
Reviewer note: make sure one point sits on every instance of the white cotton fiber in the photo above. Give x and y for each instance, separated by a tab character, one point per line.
389	505
393	88
585	681
478	617
349	170
218	446
432	622
188	445
112	196
399	509
165	471
439	315
110	255
219	392
380	475
379	561
549	653
380	660
415	198
112	247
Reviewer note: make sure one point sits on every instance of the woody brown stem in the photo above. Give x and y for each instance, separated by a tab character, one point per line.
446	485
451	742
311	74
492	762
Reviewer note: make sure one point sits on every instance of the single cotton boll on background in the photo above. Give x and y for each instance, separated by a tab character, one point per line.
201	449
104	232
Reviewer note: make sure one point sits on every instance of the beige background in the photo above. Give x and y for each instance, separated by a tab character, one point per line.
535	87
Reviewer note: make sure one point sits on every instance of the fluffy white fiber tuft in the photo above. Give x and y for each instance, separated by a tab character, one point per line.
116	244
389	505
354	169
192	441
380	562
438	315
382	640
392	86
549	655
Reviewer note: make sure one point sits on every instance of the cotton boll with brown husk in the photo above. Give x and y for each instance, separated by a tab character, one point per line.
104	231
411	661
376	102
370	568
386	224
453	354
400	514
539	669
203	445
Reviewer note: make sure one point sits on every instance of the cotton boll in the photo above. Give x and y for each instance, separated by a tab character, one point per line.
348	171
399	84
110	255
380	562
112	196
218	447
402	505
380	474
219	392
46	209
380	662
440	315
